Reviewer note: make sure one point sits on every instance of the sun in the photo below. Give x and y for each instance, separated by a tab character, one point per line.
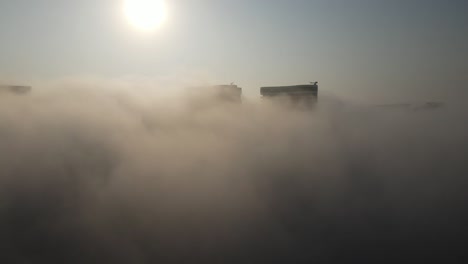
145	15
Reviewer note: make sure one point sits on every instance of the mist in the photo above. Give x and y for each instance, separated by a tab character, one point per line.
106	172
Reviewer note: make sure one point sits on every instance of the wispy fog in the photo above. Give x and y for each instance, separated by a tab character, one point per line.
115	173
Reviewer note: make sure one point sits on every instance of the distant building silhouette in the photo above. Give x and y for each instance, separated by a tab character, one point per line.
305	94
205	96
15	89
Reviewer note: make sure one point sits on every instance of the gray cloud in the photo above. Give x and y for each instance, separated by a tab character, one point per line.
106	173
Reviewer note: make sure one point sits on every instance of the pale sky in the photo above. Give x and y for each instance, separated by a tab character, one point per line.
371	47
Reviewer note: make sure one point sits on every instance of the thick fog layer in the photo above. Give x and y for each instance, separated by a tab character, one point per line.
109	174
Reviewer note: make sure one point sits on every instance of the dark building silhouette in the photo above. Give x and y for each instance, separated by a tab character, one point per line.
16	89
210	95
229	92
305	94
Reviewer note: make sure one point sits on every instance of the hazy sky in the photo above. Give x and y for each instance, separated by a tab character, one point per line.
358	46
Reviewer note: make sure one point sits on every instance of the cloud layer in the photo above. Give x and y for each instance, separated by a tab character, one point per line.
106	173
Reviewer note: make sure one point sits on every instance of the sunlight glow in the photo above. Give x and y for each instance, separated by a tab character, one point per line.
145	15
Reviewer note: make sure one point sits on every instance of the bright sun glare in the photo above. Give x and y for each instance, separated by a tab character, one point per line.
145	14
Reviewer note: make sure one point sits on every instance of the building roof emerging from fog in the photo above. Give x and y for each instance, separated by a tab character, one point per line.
291	89
16	89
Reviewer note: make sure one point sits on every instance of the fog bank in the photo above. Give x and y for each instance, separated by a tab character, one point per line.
109	173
